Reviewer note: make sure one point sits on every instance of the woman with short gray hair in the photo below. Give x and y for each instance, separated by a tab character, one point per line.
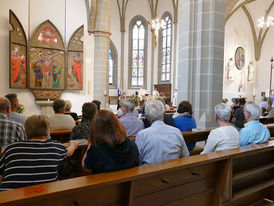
225	136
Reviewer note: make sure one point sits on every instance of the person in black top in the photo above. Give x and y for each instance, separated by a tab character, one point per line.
98	103
68	112
81	131
110	149
239	117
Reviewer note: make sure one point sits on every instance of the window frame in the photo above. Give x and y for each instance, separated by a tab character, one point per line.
160	49
130	51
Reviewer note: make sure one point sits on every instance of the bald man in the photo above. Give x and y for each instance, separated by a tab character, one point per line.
9	131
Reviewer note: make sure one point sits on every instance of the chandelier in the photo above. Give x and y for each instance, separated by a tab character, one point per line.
265	21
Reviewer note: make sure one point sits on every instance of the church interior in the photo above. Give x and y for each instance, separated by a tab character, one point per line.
67	16
191	50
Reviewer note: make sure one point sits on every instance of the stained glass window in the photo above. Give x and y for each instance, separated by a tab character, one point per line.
165	49
112	65
137	51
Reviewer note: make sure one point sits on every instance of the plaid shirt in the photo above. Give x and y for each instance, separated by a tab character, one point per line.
10	131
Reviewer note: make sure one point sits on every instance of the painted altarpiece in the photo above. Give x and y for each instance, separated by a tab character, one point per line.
17	54
50	68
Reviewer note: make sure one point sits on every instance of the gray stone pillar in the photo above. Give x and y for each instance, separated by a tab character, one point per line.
101	51
200	56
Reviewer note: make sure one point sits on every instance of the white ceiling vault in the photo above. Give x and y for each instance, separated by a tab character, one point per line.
253	9
230	5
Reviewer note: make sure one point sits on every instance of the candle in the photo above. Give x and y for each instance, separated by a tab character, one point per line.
254	92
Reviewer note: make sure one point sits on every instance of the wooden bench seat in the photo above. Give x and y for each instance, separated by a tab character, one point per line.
266	120
233	177
61	135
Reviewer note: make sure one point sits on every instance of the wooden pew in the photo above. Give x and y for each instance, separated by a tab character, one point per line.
195	136
223	178
266	120
72	166
190	136
271	130
61	135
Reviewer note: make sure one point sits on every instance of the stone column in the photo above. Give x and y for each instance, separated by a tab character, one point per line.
101	50
200	56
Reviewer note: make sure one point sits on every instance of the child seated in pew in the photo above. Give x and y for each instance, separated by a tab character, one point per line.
110	149
225	136
34	161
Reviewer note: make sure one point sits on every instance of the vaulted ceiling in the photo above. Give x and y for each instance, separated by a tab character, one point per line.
229	6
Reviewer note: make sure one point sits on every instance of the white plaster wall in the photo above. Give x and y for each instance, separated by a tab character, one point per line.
41	10
238	33
243	37
135	7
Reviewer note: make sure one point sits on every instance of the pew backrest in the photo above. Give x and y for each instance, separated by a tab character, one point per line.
218	178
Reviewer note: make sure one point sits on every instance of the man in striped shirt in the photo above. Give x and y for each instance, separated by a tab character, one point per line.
34	161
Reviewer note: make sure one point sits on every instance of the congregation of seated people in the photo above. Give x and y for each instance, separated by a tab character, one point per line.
158	137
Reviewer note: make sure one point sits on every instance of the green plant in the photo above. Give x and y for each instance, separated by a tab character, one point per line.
20	109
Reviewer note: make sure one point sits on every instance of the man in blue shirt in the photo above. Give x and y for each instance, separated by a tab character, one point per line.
254	132
159	142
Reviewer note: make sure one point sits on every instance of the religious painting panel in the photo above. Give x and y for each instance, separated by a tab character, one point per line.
240	58
17	35
74	76
46	69
75	70
47	36
17	54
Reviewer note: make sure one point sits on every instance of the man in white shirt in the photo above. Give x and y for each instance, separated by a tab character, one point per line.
142	92
59	120
159	142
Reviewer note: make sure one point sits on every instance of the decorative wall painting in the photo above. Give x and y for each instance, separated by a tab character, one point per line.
40	63
75	70
75	60
17	54
46	69
46	62
240	58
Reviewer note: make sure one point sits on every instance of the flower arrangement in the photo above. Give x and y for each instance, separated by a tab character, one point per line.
136	98
20	109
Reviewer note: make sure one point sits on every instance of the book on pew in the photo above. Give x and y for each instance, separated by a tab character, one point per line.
198	129
80	142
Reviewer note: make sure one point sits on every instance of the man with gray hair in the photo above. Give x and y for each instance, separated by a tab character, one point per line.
9	131
254	132
130	121
159	142
59	120
225	136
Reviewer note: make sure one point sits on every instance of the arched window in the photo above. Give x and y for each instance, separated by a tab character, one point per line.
113	65
137	52
165	43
